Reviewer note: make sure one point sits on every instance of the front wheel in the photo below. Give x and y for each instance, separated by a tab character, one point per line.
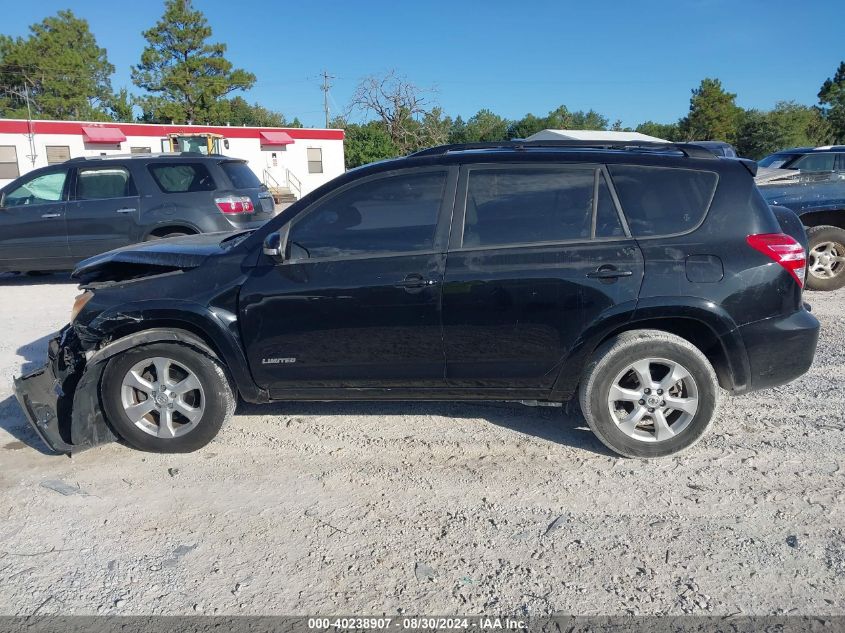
166	398
826	268
648	393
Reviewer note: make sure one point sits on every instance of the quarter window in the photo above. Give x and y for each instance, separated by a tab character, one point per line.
315	160
97	183
528	205
9	161
41	189
396	214
182	177
241	176
607	217
661	200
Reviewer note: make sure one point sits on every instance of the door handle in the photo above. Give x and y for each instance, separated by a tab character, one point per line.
51	215
609	272
126	210
415	280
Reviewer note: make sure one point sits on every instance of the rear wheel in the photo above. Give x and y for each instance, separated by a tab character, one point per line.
166	398
826	266
648	393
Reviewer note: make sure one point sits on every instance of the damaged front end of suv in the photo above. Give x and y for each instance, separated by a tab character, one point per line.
121	307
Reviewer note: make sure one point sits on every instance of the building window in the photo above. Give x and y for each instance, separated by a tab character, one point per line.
315	160
57	154
140	150
9	162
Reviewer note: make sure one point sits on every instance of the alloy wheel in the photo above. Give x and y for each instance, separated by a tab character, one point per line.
653	399
827	260
162	397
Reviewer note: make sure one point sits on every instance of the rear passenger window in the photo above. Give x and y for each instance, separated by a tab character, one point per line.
523	206
98	183
660	200
182	177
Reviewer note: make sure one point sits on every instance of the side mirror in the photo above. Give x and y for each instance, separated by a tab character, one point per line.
274	247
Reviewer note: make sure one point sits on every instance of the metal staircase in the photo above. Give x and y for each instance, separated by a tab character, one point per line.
286	193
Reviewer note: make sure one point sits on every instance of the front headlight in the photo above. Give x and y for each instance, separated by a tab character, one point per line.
79	303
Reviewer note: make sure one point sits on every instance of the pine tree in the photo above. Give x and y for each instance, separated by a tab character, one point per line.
61	67
186	75
832	99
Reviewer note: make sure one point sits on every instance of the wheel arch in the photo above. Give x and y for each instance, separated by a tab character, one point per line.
160	230
197	327
711	331
829	217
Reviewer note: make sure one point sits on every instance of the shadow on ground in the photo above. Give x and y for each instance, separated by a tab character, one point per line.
35	279
13	421
552	424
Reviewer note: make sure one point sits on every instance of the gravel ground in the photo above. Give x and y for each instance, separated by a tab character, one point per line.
427	508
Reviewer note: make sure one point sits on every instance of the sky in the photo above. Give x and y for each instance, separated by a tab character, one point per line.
631	60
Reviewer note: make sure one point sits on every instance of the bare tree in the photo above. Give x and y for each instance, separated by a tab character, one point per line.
402	107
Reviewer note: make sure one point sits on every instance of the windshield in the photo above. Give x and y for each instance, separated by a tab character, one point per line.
776	161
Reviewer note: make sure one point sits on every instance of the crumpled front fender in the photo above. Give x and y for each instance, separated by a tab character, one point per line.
62	399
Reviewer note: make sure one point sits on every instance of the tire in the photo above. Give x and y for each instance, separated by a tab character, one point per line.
151	237
827	242
195	416
621	430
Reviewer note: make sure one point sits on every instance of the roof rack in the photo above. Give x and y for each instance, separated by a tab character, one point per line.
690	150
77	159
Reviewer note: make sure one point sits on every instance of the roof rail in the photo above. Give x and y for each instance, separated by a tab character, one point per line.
690	150
123	156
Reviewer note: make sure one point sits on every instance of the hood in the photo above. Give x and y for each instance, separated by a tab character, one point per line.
806	191
152	258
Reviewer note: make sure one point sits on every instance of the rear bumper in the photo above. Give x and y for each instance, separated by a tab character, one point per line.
780	349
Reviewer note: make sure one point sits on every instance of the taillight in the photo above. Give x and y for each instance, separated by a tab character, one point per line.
784	249
232	205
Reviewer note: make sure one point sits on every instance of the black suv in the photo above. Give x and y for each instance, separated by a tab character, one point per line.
639	278
53	217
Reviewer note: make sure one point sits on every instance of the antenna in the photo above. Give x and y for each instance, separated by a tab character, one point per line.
325	88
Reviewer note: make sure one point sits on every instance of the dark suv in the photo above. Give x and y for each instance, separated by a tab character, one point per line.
639	278
53	217
811	182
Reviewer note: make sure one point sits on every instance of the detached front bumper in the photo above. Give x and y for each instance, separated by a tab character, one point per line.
38	393
61	399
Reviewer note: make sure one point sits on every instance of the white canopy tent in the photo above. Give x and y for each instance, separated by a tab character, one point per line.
592	135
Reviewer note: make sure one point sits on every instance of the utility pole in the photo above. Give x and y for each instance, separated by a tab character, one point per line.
325	88
30	126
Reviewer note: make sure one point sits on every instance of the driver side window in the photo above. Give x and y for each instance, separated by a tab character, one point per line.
396	214
40	189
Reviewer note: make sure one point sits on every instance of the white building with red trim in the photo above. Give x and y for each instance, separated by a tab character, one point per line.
295	160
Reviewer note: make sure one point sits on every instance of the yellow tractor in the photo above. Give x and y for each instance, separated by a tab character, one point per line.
203	143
